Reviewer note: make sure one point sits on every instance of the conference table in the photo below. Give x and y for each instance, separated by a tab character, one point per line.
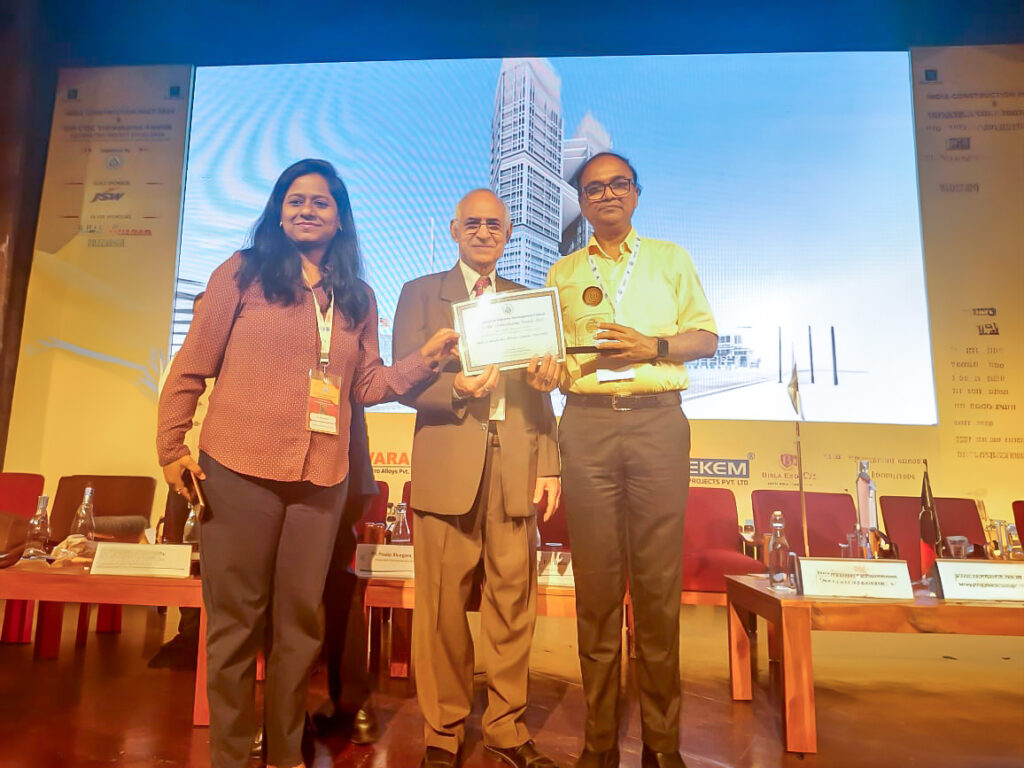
791	619
52	587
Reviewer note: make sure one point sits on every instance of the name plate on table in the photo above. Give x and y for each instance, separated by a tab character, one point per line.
554	568
848	577
980	580
384	561
166	561
507	329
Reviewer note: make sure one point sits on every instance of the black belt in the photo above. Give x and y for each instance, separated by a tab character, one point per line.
625	402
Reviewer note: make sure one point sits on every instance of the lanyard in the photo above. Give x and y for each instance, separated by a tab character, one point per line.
325	327
622	283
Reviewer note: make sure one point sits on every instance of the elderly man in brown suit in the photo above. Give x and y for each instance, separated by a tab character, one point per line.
484	455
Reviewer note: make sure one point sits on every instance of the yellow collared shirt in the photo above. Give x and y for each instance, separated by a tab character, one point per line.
663	297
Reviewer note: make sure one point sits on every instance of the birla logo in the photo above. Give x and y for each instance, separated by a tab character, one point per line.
389	459
107	196
787	460
737	468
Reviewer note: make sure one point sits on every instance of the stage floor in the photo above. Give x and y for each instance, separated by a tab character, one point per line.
882	700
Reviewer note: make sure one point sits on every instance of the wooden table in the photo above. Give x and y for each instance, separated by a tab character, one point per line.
53	587
791	618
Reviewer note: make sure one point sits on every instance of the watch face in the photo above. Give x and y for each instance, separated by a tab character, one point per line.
662	347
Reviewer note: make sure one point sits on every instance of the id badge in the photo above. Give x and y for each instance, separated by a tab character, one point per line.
324	402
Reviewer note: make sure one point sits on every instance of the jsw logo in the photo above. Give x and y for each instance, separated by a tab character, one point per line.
108	195
719	468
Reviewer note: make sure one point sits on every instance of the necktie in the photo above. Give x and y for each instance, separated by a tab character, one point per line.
481	285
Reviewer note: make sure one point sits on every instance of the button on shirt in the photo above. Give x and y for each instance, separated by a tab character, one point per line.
498	395
664	297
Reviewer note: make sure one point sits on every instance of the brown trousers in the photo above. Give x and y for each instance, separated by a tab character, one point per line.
625	478
448	551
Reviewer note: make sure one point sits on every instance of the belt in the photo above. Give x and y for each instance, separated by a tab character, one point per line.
625	402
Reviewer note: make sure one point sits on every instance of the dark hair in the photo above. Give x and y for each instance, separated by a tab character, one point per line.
577	178
273	259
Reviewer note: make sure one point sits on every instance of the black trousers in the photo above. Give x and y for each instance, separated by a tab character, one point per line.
625	478
266	547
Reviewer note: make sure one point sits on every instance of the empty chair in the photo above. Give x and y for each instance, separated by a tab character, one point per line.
900	516
1018	517
959	517
554	532
830	516
19	492
376	512
115	495
711	541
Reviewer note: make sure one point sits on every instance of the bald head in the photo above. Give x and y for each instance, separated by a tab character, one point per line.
481	227
482	194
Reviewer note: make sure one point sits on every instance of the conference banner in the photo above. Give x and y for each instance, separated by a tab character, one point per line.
98	315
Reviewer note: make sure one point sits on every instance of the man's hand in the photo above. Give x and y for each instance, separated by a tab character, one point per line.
625	344
440	347
470	387
543	375
553	487
174	474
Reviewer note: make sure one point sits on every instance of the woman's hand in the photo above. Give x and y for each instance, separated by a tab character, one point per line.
174	474
440	347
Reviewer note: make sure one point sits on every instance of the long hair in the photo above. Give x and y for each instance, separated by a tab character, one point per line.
273	260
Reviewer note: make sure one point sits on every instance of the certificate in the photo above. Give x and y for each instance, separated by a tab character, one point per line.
507	329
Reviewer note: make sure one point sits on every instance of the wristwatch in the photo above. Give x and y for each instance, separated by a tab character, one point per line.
662	349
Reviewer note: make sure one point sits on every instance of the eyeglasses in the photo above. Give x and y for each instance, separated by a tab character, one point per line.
493	226
619	186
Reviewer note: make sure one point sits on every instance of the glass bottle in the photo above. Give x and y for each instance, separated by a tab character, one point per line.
37	539
778	554
390	519
190	533
401	533
84	524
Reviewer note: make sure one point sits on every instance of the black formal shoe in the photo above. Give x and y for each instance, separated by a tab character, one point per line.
435	757
609	758
364	726
651	759
523	756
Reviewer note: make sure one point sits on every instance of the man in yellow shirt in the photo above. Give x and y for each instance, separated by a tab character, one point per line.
637	309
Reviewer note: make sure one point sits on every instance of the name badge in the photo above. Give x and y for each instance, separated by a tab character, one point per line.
324	402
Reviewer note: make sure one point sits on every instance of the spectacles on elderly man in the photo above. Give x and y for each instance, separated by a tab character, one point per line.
619	186
493	226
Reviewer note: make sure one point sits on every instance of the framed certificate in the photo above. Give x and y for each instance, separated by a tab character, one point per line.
507	329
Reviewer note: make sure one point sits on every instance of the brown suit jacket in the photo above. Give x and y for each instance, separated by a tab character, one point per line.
451	438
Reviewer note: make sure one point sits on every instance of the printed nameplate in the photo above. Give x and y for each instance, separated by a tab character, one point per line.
980	579
848	577
384	561
554	568
166	561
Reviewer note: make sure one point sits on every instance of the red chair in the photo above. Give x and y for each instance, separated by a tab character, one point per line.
900	517
959	517
377	511
554	532
830	516
115	495
1018	517
19	492
711	541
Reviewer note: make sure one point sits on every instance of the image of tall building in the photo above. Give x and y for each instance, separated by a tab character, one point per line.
531	165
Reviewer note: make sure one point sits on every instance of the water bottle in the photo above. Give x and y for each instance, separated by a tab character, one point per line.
84	524
778	554
401	533
38	538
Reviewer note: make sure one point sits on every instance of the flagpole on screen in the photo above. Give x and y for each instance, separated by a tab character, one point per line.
794	395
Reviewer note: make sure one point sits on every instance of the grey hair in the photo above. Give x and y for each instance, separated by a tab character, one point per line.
504	205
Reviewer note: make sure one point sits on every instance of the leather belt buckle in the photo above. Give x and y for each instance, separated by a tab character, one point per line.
616	399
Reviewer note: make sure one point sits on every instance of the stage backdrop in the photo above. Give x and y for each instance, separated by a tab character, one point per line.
99	314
